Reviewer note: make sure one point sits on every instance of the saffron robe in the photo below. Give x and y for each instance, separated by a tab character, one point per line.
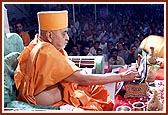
41	65
25	37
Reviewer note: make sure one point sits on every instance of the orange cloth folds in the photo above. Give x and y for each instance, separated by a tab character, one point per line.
25	37
41	65
87	97
41	73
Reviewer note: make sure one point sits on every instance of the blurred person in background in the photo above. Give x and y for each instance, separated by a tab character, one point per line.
131	56
115	59
85	51
74	51
24	35
95	46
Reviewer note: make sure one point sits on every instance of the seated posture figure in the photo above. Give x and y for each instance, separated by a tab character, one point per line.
115	59
46	76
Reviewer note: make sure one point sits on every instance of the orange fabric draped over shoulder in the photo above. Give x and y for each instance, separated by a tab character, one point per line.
26	38
41	65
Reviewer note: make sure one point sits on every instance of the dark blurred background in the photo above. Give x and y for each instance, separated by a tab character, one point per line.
134	21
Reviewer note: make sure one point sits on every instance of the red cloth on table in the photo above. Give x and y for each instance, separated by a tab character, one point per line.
119	98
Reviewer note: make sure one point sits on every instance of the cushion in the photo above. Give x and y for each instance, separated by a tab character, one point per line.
10	63
12	43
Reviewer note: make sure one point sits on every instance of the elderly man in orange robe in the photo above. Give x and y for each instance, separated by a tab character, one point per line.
45	75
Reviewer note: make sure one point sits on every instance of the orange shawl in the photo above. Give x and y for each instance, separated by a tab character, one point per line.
26	38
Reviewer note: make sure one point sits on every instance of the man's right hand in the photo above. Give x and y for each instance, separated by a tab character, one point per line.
130	75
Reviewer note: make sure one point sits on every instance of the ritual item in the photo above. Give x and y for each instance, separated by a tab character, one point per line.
138	106
151	73
154	104
152	57
138	88
123	108
152	66
147	70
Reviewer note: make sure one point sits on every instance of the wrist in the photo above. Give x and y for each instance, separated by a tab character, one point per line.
120	76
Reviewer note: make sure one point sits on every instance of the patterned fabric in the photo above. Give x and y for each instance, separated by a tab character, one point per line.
142	70
10	63
12	43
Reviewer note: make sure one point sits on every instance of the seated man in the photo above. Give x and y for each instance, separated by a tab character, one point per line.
115	59
85	51
46	76
131	55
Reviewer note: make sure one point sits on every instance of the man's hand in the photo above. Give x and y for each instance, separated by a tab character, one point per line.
130	75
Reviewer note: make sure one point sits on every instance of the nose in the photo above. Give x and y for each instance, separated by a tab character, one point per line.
67	37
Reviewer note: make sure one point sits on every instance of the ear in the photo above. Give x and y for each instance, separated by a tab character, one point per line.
49	36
